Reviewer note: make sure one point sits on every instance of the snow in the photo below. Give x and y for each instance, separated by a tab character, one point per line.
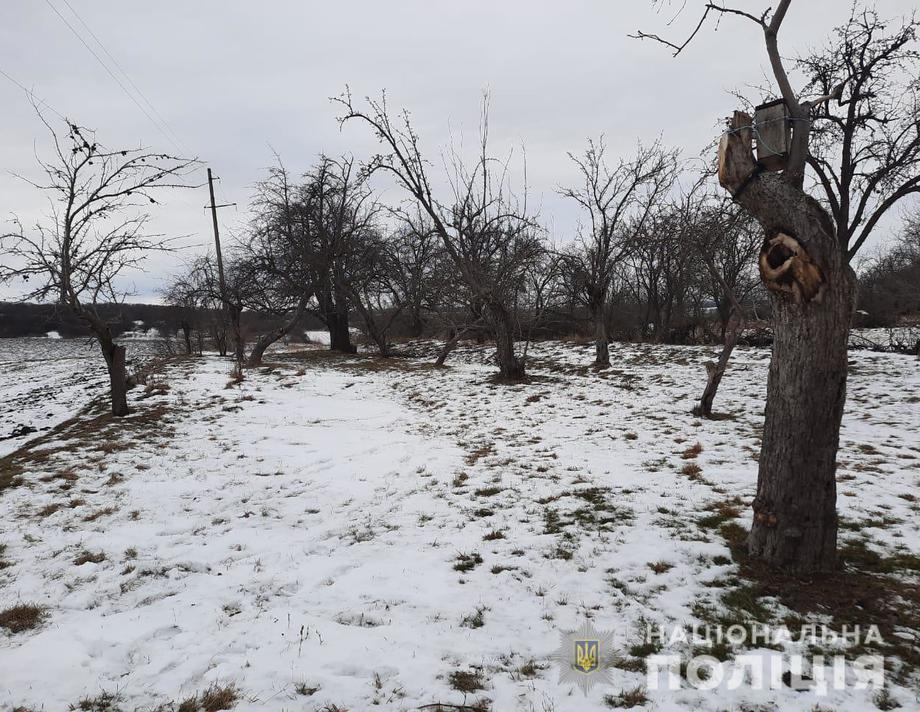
319	337
46	380
303	526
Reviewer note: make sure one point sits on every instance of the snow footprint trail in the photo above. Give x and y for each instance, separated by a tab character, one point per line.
368	530
271	537
562	517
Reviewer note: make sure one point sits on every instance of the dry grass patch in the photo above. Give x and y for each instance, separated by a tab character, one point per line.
215	698
467	562
627	699
692	452
105	511
88	557
479	453
868	588
103	702
22	616
94	428
466	680
49	509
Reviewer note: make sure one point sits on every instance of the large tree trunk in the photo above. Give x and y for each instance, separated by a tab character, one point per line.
812	287
118	378
339	335
601	340
336	315
416	322
510	367
266	340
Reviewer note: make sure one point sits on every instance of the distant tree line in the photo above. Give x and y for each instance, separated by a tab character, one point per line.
889	293
24	319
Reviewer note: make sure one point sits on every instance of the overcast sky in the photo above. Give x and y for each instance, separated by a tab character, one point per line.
234	79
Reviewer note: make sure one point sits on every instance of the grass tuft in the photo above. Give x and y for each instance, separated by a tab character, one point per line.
466	680
88	557
103	702
467	562
22	616
627	699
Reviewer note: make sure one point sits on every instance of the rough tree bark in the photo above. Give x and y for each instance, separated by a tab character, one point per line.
812	290
266	340
447	348
510	367
601	339
339	334
118	377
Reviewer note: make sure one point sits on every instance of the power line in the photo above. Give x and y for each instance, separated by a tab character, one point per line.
32	95
113	75
128	78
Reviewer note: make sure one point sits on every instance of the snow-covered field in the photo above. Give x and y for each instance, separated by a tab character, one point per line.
346	534
44	381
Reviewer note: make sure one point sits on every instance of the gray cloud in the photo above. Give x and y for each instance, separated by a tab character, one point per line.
233	78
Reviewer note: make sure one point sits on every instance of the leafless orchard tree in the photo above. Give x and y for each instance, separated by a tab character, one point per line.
414	271
277	250
486	232
197	289
340	208
94	232
618	201
804	263
890	282
662	271
865	145
184	296
727	241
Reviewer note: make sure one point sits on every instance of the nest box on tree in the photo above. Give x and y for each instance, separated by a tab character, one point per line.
773	132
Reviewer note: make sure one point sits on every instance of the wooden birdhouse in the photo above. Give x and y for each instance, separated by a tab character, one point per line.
773	133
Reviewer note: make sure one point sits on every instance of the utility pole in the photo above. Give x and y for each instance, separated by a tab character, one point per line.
225	304
220	259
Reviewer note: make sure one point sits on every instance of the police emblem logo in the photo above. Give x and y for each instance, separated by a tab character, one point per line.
586	655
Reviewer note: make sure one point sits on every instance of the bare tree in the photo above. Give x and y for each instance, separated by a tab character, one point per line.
277	250
338	206
413	271
184	296
199	287
889	285
485	231
618	201
865	145
727	241
95	231
804	264
662	268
